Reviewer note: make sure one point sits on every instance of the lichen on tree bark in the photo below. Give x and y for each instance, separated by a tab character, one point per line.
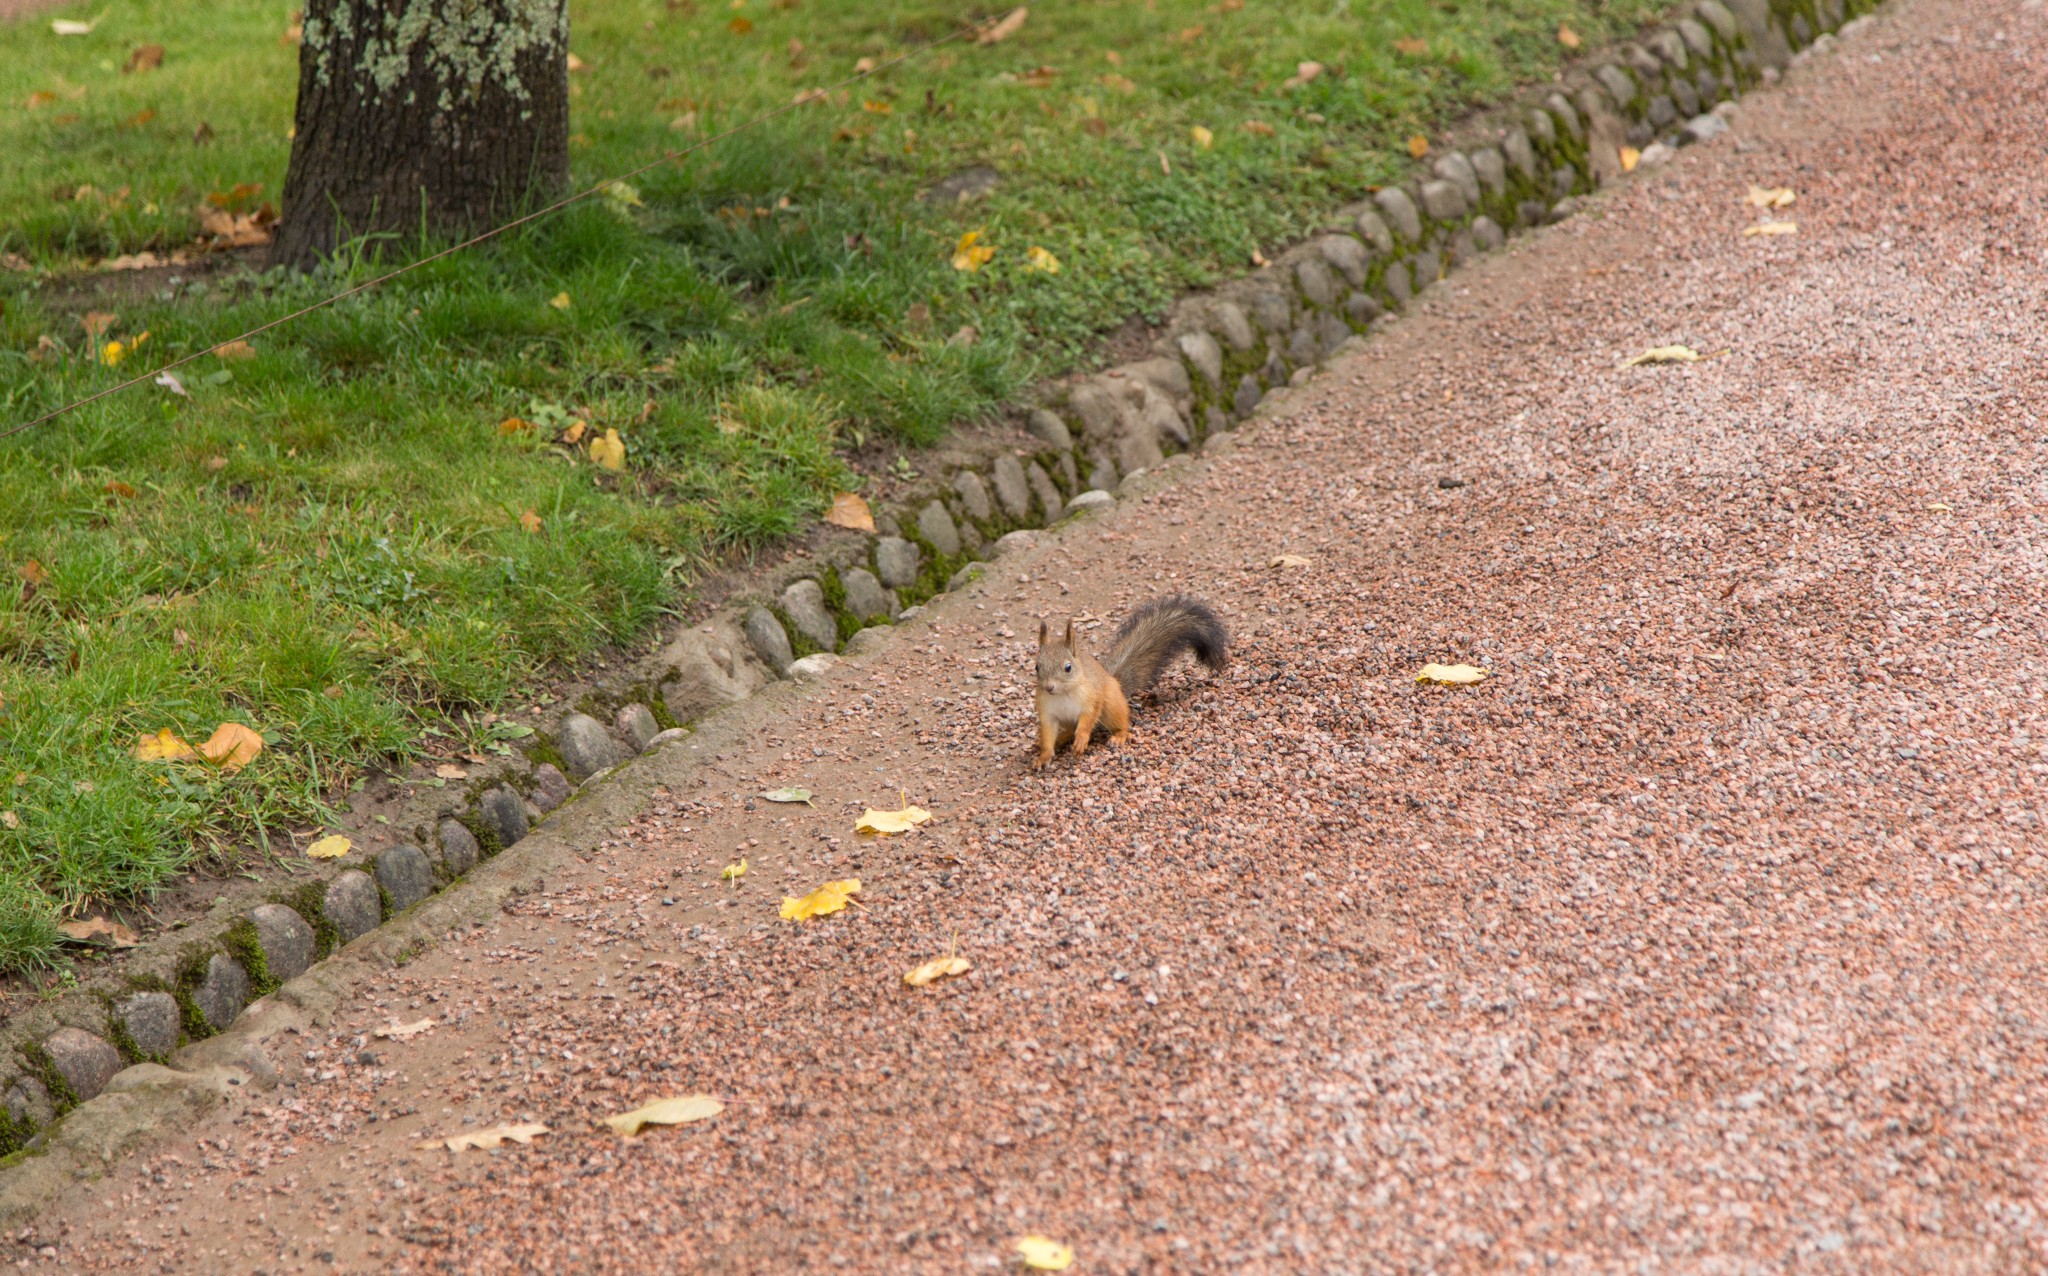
442	115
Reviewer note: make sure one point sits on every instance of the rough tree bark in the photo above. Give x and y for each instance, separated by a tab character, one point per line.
442	114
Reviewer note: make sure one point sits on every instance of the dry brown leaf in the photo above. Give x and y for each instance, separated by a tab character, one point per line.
678	1111
96	322
95	930
1418	146
1411	46
1771	197
851	512
115	487
490	1138
1450	675
449	771
396	1031
1288	560
1568	37
1259	127
1005	27
1664	354
231	747
1771	228
530	521
234	350
1120	83
936	969
1303	73
237	230
9	820
146	58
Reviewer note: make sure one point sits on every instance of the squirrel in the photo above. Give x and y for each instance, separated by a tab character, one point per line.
1076	691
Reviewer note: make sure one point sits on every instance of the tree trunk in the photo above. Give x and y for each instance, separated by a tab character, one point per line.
437	115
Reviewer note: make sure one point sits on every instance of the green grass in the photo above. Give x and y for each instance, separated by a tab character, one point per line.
325	541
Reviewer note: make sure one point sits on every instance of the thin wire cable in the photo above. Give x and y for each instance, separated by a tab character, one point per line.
668	157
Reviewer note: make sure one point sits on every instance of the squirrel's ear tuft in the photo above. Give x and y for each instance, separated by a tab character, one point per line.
1043	633
1070	633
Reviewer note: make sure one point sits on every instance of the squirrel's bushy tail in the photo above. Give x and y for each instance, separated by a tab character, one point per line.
1161	630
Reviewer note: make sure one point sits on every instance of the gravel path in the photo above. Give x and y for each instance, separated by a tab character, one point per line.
1706	936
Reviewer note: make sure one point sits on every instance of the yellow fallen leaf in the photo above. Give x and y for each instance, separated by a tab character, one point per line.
560	301
1204	139
1003	29
396	1031
873	821
610	451
970	254
1770	228
1450	675
681	1111
490	1138
851	512
112	353
822	902
1418	146
164	746
329	848
1567	37
734	872
1630	157
575	432
936	969
1043	1254
1664	354
1036	258
1288	560
231	747
1772	197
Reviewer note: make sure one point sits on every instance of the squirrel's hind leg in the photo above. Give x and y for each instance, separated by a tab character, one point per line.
1116	715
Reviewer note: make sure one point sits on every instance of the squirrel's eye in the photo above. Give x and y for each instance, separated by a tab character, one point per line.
1070	668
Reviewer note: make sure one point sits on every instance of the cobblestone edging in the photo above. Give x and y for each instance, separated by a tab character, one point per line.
1223	355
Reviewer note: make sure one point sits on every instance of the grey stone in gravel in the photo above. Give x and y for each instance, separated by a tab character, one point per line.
963	187
1461	250
1564	181
285	938
1487	234
1068	470
405	875
1362	307
1520	155
1542	127
1086	501
1566	115
1617	83
765	635
636	725
85	1061
936	526
151	1021
1373	230
1301	345
1455	167
669	736
1233	325
1047	428
585	747
1272	309
1648	67
1442	200
221	992
1345	254
29	1100
1215	419
1532	212
1301	377
350	904
897	561
1102	474
1042	487
1168	376
551	788
1639	135
1316	281
973	494
1013	493
1696	37
1702	128
1331	332
503	815
1395	280
1654	154
1800	30
459	849
1663	111
1687	97
1012	542
1669	46
1710	86
865	597
1716	15
1249	392
869	640
804	603
965	576
1399	210
1492	170
1563	208
813	666
1203	355
1428	267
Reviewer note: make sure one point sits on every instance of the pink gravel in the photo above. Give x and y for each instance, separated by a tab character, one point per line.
1706	935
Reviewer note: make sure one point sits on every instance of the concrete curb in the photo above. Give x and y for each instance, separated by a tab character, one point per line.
74	1109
